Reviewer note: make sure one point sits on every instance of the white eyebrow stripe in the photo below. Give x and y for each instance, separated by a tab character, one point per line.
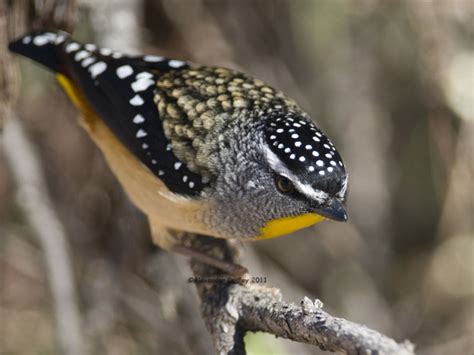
278	166
307	190
275	162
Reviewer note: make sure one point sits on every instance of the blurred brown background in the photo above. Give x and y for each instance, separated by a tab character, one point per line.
391	82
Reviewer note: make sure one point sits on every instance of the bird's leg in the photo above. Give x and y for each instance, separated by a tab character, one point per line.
199	248
230	268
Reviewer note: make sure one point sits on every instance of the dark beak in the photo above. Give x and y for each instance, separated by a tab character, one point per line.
334	209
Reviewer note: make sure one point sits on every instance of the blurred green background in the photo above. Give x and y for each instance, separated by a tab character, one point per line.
392	84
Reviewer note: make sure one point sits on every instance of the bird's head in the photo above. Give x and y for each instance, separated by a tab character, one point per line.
284	175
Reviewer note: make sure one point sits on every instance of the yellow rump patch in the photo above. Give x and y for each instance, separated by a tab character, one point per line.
75	95
285	225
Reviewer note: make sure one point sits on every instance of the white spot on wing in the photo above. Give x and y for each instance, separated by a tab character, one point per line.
142	84
124	71
153	58
60	38
72	47
145	75
88	61
138	119
176	63
141	133
44	38
81	55
97	69
137	100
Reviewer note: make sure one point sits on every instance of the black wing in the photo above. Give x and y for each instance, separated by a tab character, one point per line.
121	90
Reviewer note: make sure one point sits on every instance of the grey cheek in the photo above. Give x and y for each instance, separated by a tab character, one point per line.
238	212
236	220
241	213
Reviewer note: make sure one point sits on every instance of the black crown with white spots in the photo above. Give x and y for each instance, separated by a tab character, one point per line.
305	151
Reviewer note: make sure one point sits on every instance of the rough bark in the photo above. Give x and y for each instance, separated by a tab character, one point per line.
232	307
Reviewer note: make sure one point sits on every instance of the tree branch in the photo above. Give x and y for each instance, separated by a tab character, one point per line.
231	307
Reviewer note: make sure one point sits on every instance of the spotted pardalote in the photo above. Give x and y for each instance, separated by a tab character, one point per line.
197	148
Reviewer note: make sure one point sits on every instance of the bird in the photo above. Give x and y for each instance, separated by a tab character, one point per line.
198	149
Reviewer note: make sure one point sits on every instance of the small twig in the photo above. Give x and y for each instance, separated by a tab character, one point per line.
308	323
232	307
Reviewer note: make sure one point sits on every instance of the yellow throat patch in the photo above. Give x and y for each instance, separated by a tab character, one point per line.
281	226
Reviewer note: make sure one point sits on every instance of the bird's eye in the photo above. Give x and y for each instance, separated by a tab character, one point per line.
284	185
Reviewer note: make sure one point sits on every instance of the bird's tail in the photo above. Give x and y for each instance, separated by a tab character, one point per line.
44	47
